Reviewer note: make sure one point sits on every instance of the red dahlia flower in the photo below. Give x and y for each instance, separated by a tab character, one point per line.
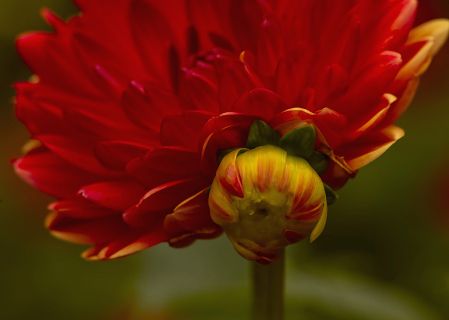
134	103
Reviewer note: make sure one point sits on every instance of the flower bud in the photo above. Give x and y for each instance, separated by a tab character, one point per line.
265	200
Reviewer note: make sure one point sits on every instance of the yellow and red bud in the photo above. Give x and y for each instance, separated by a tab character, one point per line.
265	199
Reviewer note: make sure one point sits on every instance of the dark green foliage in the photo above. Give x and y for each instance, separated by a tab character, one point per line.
299	142
319	162
261	134
331	196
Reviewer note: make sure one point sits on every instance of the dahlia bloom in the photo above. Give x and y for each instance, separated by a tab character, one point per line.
133	100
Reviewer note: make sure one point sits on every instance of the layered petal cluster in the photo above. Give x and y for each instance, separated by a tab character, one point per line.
132	100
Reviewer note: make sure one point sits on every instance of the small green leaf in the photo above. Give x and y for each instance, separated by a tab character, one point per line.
208	190
331	196
319	162
299	142
261	134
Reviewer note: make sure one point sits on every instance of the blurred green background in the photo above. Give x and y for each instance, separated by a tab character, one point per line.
384	253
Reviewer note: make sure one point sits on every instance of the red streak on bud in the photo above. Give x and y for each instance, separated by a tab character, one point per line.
293	236
264	174
264	260
266	255
220	213
182	241
231	182
283	183
302	214
301	199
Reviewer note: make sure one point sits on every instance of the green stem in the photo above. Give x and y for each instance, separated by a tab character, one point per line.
268	290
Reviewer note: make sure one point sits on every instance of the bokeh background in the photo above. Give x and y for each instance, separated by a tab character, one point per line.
384	253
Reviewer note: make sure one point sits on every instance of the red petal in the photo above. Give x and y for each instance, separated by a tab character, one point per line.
260	102
134	241
385	24
403	102
331	118
290	115
249	61
335	176
117	195
183	130
163	165
147	109
212	25
180	237
246	16
202	91
224	120
47	57
87	231
345	53
293	236
291	74
269	46
370	84
229	176
162	200
153	36
77	152
81	208
194	214
402	25
234	136
108	83
369	120
52	175
52	19
293	118
332	83
103	126
370	146
234	82
115	155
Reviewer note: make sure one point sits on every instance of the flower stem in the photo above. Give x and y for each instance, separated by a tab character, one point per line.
268	290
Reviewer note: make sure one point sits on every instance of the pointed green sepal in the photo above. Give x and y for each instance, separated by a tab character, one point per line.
319	162
208	190
261	134
331	196
299	142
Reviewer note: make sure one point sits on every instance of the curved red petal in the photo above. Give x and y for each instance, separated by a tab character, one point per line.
163	165
162	200
116	195
261	103
86	231
115	155
52	175
183	130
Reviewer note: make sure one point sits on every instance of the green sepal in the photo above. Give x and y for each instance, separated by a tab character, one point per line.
299	142
319	162
223	153
261	134
208	190
331	196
